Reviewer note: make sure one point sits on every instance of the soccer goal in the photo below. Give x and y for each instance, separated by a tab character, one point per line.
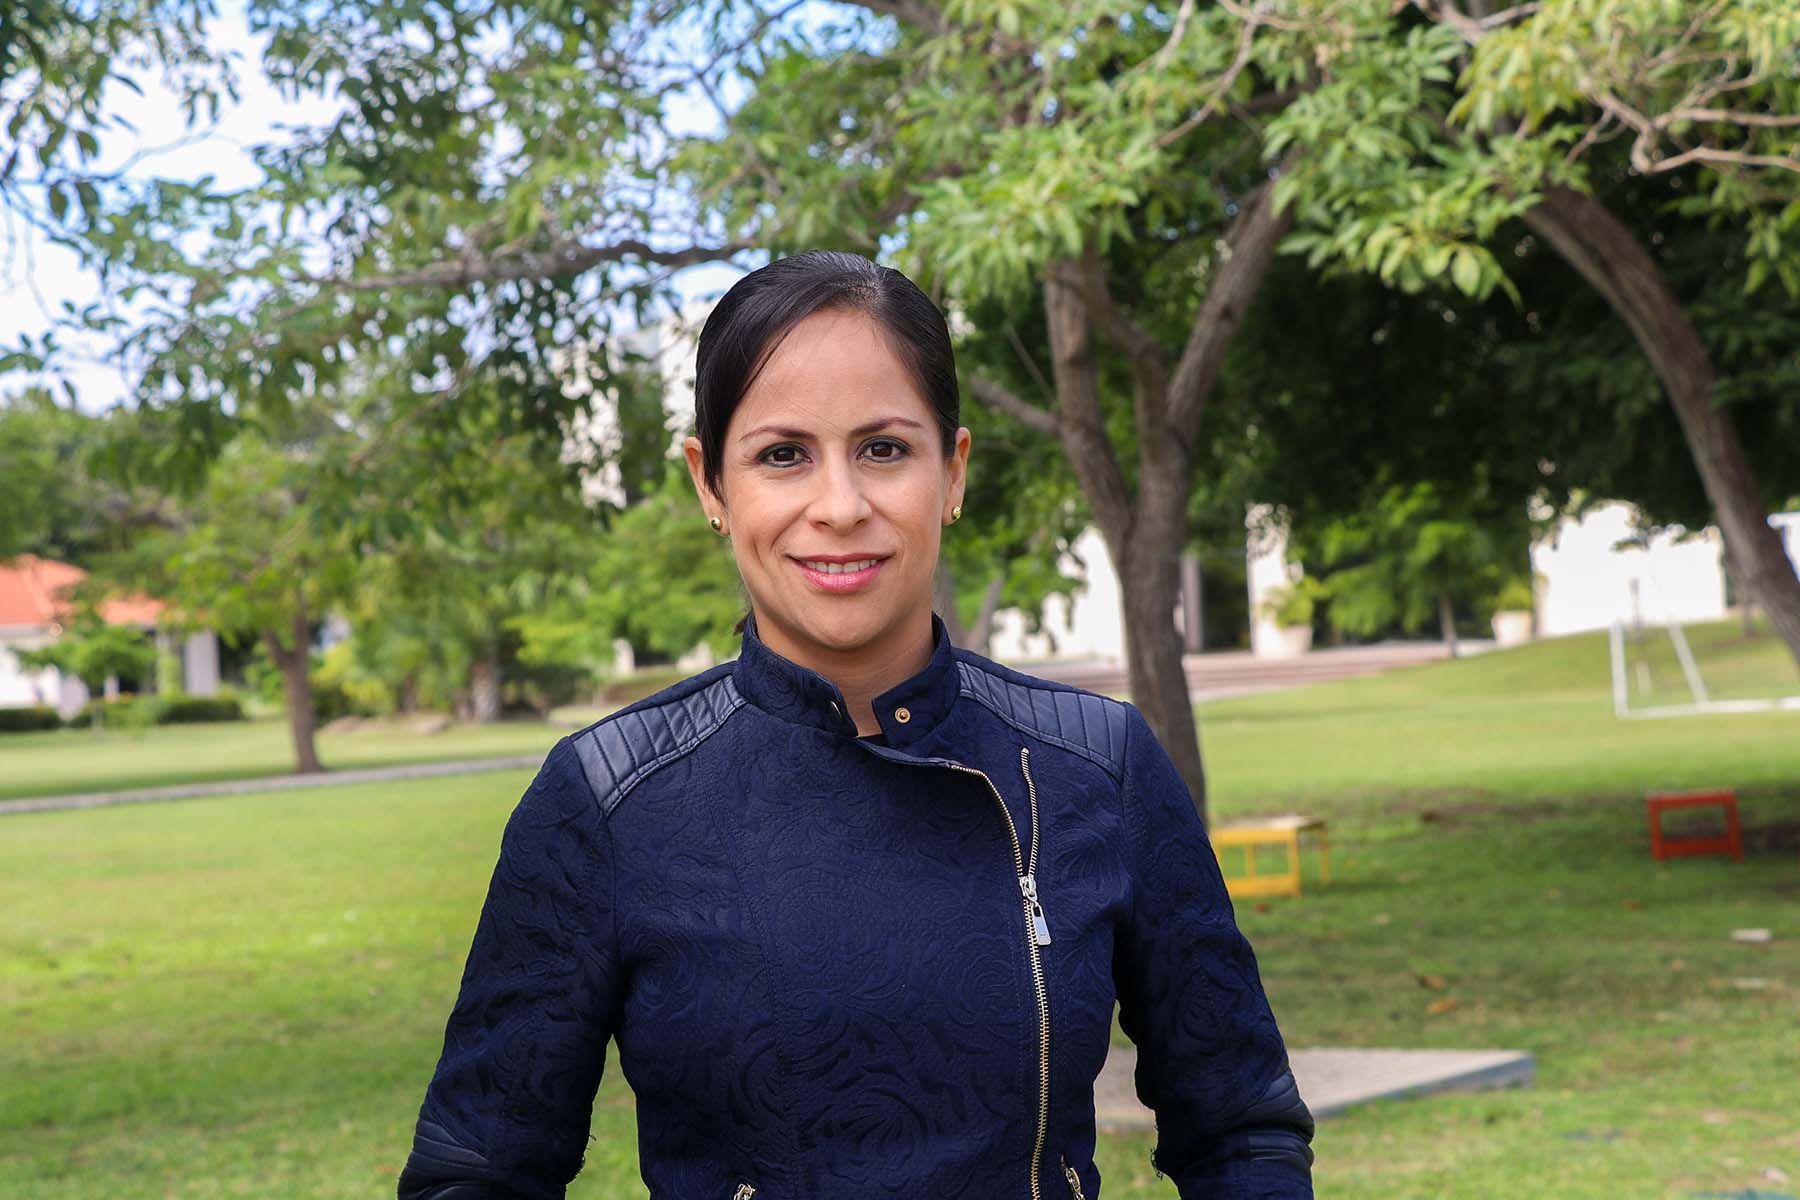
1658	671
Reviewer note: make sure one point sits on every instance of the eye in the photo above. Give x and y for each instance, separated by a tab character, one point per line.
774	455
898	449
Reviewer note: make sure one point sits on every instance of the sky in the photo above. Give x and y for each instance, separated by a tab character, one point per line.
36	277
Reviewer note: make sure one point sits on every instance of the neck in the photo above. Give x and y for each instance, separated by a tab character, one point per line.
864	672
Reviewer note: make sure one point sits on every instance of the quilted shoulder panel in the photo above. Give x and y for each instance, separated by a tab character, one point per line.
1085	722
621	749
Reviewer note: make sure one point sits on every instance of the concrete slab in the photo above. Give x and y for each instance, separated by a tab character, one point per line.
1332	1080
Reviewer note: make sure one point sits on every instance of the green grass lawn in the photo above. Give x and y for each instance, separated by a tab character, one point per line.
245	996
86	760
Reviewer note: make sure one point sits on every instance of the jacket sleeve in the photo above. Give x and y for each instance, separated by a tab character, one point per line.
507	1112
1211	1063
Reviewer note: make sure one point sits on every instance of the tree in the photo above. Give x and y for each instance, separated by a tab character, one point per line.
1704	96
659	578
450	565
59	496
1414	556
252	551
45	508
501	178
1107	194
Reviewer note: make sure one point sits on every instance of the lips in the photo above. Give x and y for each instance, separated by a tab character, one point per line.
837	574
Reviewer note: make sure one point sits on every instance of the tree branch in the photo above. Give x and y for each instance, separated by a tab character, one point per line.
992	394
1714	156
1725	116
1178	32
910	12
1244	260
1149	365
1253	19
564	258
1473	29
1082	424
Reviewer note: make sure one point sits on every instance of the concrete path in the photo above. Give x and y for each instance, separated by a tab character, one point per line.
1216	675
1332	1080
273	783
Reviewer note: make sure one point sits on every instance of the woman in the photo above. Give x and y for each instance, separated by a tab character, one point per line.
856	905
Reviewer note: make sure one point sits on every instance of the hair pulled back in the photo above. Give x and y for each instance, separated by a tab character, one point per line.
749	321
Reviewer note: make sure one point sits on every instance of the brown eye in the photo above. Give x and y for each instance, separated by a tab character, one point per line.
770	455
898	449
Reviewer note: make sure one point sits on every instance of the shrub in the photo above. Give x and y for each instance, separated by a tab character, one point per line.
192	710
29	720
1514	595
1295	602
129	711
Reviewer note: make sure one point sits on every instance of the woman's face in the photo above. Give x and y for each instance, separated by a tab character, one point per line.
833	456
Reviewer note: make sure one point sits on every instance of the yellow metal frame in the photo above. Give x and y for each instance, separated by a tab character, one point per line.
1275	831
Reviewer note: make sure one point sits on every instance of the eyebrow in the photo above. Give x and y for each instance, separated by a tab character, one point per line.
870	427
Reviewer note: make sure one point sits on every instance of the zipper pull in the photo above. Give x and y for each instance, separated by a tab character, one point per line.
744	1192
1075	1192
1039	927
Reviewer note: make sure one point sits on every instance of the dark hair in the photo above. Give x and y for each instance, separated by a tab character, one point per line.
751	318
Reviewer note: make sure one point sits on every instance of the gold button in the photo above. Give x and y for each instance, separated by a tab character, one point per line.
902	716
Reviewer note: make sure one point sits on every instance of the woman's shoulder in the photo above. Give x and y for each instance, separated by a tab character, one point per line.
618	750
1087	722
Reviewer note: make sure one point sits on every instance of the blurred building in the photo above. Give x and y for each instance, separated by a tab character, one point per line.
33	609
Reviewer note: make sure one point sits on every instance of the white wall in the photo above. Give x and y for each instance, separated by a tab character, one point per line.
1092	627
1588	581
19	687
1266	568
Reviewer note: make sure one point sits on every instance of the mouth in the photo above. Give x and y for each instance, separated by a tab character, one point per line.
832	575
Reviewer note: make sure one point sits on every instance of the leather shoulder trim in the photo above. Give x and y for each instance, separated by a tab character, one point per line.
619	750
1084	722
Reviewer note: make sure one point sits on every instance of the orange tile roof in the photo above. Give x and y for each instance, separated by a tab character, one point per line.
31	595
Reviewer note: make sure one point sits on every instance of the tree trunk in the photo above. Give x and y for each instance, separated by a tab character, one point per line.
943	600
1193	605
1144	539
1447	622
484	686
982	632
1587	235
1150	583
1746	609
296	690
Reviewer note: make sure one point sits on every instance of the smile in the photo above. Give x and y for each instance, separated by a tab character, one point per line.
834	568
840	577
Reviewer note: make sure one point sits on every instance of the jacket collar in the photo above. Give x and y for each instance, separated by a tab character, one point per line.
783	687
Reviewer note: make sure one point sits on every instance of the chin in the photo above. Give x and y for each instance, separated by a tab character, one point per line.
840	628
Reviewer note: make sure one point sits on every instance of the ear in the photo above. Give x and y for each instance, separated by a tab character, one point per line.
690	450
958	468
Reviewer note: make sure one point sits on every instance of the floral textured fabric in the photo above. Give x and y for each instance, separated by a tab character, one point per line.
820	965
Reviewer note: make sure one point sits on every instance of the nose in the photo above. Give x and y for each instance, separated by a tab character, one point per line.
838	500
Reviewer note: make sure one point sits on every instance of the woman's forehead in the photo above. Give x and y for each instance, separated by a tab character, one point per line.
832	372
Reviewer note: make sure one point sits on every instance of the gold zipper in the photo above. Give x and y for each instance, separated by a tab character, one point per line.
1074	1180
1037	934
744	1192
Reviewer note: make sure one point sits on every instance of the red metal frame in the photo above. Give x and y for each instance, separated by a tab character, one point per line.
1730	842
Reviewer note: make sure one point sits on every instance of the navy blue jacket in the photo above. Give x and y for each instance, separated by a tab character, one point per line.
840	967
